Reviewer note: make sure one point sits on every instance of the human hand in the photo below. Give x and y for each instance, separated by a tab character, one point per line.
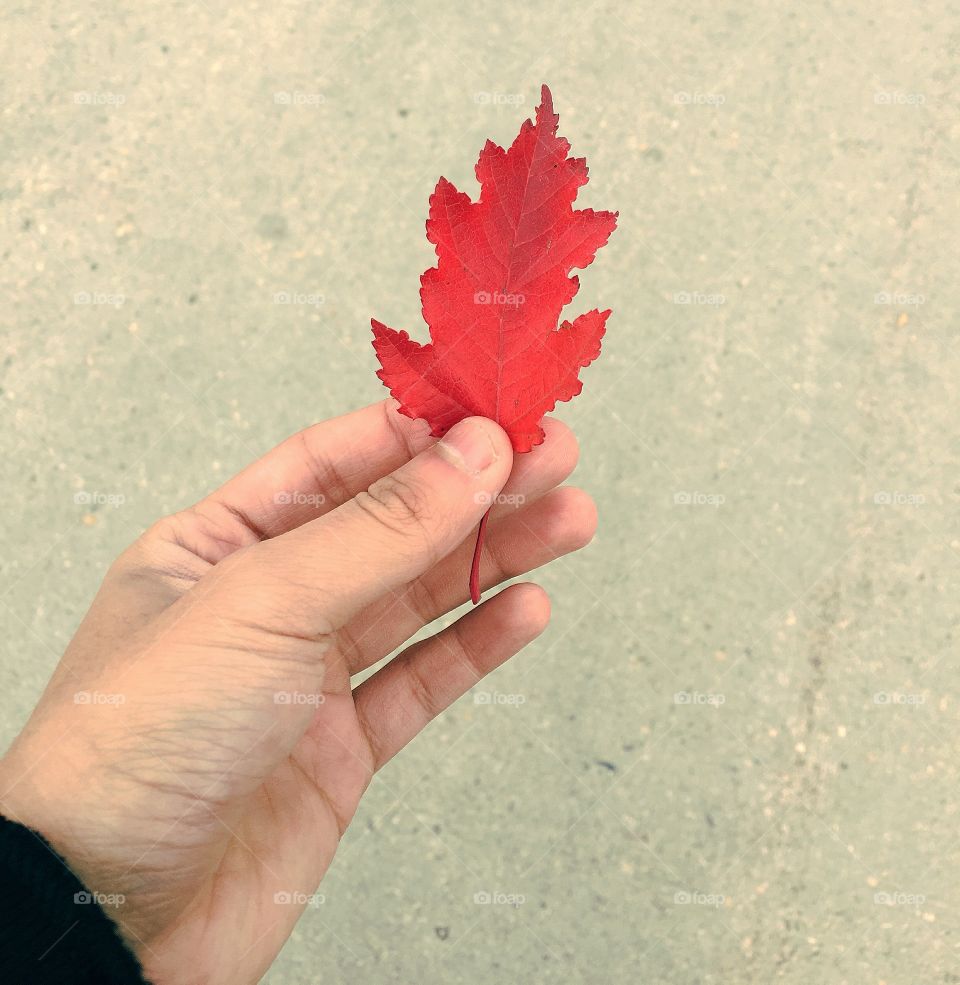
222	750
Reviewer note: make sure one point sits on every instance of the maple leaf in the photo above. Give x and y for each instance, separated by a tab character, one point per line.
494	298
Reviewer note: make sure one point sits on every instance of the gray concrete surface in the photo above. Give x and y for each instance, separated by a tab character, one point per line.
794	818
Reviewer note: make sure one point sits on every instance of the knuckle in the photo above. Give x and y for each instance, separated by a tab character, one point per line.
421	691
166	530
424	599
326	475
162	539
468	654
398	504
160	548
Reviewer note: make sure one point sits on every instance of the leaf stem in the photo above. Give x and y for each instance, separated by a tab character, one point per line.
475	564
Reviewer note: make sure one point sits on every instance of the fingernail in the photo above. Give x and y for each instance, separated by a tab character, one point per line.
469	447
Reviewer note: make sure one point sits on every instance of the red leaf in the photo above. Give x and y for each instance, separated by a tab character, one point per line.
495	296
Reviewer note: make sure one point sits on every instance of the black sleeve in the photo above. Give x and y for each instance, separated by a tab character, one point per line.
52	930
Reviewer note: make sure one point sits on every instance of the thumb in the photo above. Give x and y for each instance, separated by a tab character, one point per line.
313	579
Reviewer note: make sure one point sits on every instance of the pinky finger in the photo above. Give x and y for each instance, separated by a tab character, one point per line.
409	692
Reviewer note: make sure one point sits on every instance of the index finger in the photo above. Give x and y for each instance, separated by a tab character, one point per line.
319	468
